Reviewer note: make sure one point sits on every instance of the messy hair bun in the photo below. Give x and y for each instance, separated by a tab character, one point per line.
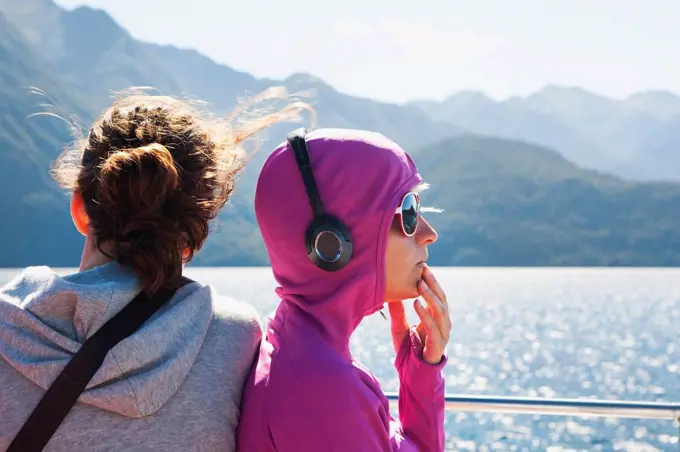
153	171
139	191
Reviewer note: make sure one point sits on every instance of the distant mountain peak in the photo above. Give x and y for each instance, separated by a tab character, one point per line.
661	103
91	11
656	93
656	96
557	92
572	101
469	96
94	19
302	78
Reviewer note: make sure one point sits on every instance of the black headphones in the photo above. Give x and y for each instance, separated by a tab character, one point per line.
328	241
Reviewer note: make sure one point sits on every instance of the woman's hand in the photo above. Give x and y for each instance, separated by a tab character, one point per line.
435	324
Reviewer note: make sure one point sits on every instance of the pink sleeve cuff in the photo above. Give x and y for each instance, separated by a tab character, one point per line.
412	347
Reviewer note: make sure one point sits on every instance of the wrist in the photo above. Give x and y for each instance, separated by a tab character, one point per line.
433	362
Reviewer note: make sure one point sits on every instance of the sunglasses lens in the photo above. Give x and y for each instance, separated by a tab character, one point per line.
410	208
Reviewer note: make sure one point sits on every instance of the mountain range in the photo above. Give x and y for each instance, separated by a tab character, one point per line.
561	177
637	137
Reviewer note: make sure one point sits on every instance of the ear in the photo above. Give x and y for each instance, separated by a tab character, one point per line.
78	215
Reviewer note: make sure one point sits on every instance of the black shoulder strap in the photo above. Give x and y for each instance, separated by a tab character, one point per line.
72	381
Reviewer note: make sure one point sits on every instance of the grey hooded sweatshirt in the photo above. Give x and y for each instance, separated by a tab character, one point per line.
174	385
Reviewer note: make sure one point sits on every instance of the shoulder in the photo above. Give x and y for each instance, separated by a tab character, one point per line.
233	335
238	317
313	371
32	282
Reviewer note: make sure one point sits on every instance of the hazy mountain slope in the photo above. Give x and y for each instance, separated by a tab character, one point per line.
636	137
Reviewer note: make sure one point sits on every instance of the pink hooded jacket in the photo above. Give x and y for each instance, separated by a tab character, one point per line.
306	391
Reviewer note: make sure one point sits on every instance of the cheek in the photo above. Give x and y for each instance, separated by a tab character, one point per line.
401	273
394	254
400	249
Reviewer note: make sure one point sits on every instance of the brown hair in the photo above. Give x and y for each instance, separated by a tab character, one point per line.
153	171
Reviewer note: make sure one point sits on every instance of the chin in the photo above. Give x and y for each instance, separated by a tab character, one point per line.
410	294
405	294
407	291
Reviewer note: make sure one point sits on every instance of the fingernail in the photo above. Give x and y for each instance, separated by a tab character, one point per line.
425	286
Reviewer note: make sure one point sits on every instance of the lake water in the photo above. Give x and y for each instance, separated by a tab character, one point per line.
603	333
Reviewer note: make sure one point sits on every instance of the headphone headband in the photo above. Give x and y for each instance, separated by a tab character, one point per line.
297	141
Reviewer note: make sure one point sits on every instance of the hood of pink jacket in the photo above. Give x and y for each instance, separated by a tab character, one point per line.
361	178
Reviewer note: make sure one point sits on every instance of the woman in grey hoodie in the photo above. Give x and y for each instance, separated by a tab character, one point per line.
148	178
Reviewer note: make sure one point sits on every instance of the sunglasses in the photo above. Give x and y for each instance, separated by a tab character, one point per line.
409	213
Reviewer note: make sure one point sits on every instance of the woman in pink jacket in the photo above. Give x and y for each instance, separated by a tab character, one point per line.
339	211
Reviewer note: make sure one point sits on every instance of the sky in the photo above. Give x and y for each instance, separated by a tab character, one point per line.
400	50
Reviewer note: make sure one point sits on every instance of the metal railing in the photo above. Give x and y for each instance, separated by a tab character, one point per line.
559	407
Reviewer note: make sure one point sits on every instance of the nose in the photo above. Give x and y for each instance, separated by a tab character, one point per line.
426	234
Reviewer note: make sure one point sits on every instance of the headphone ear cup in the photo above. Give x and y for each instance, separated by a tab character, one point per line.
328	243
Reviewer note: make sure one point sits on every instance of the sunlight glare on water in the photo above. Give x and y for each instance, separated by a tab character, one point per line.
599	333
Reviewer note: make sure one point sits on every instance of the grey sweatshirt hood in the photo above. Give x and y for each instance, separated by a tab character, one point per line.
44	319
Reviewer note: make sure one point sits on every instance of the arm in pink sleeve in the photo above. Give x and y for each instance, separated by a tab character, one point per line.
421	396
